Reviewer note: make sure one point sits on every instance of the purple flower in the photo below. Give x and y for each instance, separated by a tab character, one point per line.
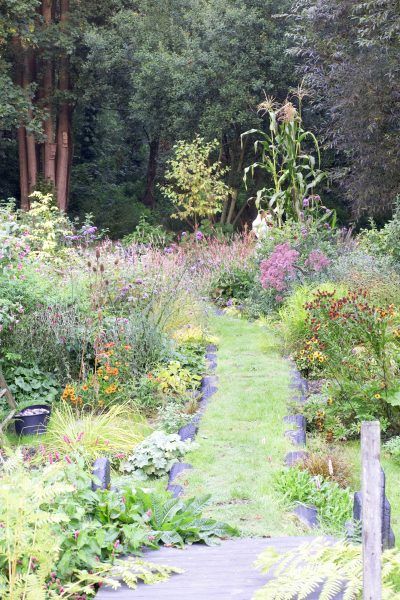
199	235
89	230
306	202
183	233
168	250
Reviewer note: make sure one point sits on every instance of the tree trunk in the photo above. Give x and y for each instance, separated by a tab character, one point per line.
232	207
27	79
21	136
23	168
148	197
49	162
64	125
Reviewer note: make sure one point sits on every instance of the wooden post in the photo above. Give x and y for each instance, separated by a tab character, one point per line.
371	510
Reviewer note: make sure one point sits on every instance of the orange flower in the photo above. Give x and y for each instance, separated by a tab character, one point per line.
127	347
85	387
111	389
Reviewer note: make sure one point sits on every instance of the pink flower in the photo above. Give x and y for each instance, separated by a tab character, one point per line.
66	439
317	261
69	461
80	436
278	267
116	543
76	533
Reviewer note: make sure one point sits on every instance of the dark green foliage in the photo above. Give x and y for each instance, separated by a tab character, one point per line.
348	51
233	284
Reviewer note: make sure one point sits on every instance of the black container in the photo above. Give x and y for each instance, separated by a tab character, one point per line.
32	424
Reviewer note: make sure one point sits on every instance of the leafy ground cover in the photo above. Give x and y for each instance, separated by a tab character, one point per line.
241	441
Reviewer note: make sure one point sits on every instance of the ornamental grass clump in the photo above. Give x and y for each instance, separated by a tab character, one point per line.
90	434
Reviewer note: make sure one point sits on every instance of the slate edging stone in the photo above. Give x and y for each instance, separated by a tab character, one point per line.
297	434
188	432
308	515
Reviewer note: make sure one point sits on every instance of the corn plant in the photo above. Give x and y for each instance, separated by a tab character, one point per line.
292	173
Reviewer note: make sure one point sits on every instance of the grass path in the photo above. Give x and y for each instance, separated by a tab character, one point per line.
240	441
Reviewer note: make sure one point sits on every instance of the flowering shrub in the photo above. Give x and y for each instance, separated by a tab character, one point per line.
354	344
285	265
279	267
14	244
317	261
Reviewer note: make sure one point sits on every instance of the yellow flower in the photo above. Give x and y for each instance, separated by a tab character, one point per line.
377	396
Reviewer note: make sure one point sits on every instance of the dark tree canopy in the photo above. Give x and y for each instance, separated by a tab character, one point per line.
94	95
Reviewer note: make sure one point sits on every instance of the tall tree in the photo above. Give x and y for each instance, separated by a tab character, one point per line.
43	49
348	51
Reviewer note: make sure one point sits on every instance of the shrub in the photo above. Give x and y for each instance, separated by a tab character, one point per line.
148	234
156	454
195	185
47	225
176	380
296	254
56	337
356	269
386	241
235	283
392	447
295	325
353	343
333	503
30	385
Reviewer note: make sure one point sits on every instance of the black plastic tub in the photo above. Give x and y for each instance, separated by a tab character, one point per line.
32	420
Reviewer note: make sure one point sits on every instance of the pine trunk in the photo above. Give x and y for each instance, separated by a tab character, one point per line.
148	197
21	137
23	168
49	162
64	125
28	78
